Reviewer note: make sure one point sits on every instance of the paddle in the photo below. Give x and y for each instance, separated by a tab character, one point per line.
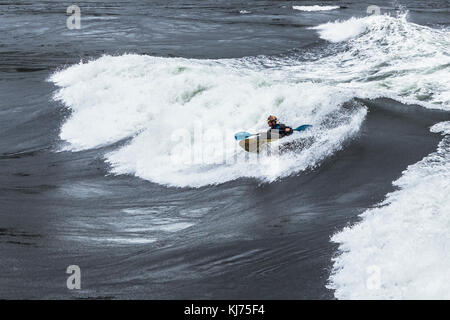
303	127
245	135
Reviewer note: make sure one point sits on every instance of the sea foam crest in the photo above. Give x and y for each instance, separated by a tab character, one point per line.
315	8
386	56
401	249
173	107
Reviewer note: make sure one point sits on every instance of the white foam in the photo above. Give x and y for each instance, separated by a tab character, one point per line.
343	30
401	249
315	8
443	127
154	100
387	56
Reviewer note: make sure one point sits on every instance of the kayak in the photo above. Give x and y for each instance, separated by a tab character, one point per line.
256	142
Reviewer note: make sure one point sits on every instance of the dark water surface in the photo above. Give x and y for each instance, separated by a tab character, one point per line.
246	239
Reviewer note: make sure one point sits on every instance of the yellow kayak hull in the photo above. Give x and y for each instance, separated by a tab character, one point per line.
254	145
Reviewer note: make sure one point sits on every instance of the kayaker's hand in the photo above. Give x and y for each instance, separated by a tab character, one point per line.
288	129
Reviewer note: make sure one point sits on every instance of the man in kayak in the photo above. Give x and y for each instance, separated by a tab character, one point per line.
283	130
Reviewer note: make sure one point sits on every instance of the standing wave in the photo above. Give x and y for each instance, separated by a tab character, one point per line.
181	116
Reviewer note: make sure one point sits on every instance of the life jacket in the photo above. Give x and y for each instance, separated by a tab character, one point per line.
281	130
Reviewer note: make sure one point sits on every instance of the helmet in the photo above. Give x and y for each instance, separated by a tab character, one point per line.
272	118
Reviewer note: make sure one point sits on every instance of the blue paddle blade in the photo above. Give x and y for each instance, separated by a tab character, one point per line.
303	127
242	135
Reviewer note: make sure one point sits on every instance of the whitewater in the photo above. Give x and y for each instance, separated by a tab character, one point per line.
315	8
171	121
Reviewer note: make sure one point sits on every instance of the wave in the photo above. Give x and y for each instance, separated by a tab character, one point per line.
315	8
180	115
390	57
401	249
343	30
184	113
